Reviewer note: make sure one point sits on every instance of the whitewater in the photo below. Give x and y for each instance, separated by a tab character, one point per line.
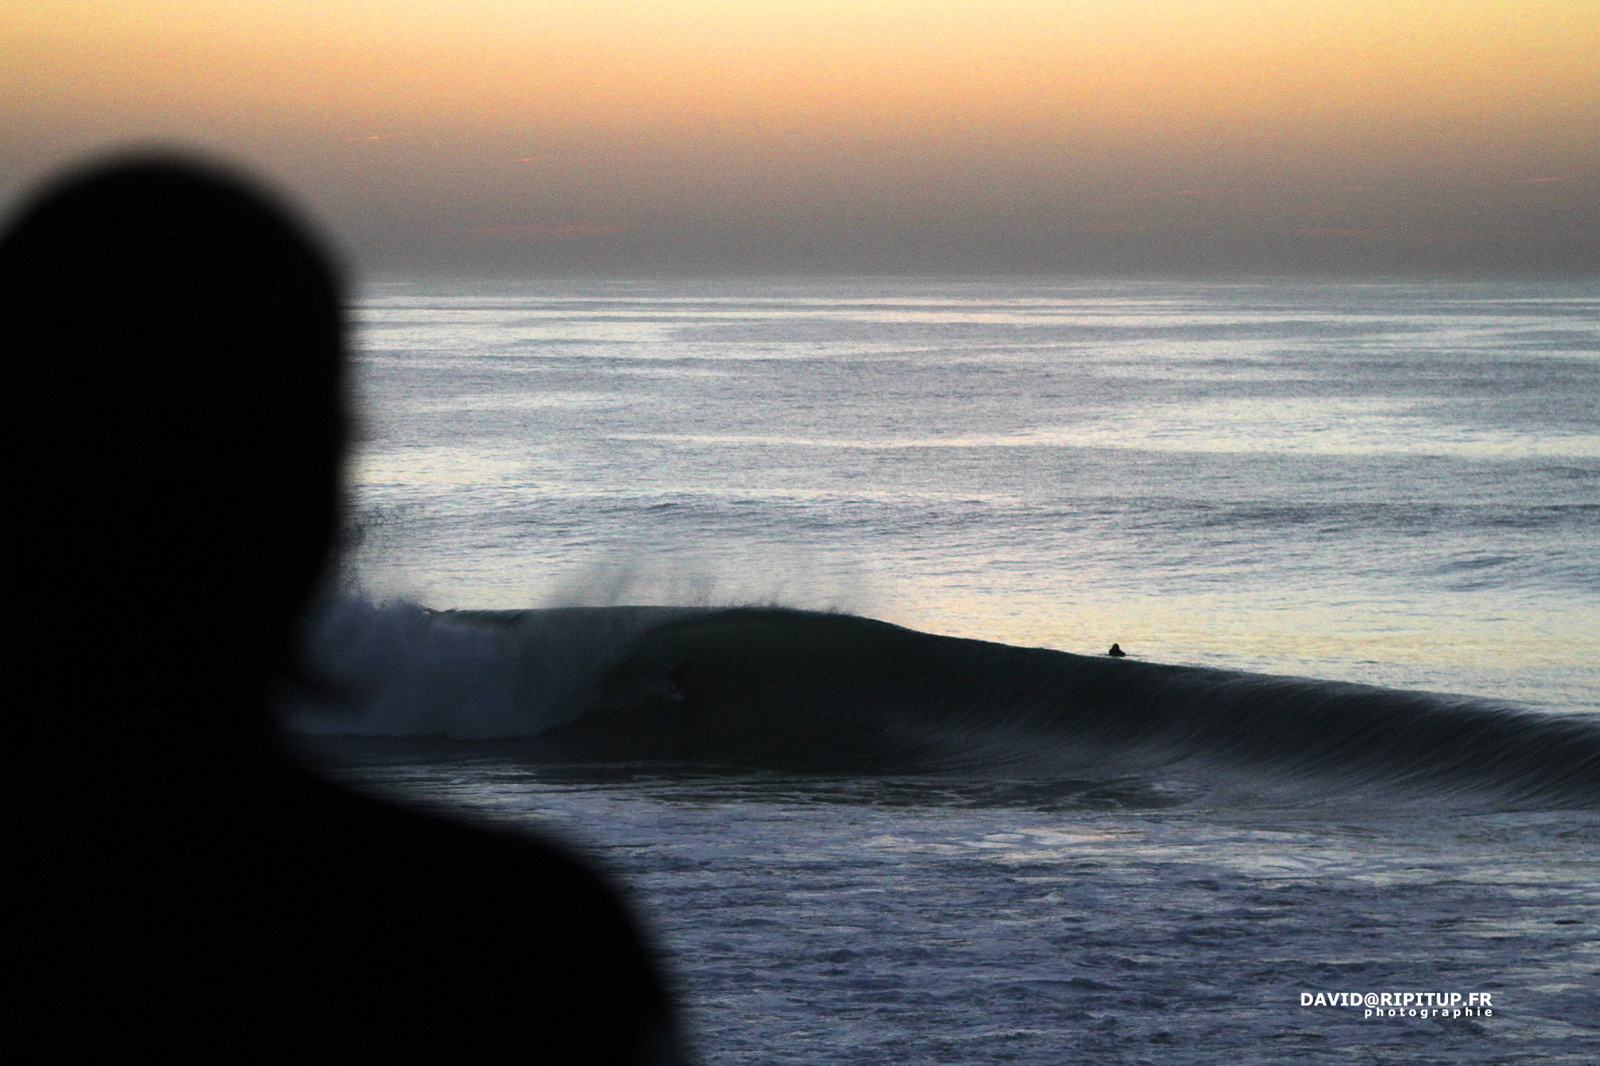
786	602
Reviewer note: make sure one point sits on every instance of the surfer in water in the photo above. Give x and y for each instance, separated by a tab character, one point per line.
176	418
1116	652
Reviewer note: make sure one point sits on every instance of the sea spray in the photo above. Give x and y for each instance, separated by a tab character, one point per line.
399	669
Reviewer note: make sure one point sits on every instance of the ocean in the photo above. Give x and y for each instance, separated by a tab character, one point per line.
786	602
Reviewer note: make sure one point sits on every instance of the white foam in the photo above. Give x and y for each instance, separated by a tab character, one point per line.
399	669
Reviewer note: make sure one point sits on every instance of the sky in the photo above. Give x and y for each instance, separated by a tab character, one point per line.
634	137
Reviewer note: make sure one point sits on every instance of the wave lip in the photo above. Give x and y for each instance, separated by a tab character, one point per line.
797	690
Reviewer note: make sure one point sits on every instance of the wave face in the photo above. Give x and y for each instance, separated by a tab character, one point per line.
400	670
808	691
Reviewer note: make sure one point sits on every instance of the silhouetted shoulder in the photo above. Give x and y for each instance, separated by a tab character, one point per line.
430	934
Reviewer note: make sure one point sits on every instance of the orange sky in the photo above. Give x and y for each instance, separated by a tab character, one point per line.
944	134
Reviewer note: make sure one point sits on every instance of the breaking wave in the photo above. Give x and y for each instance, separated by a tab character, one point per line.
798	690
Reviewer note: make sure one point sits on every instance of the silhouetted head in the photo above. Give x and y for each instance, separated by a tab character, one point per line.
173	346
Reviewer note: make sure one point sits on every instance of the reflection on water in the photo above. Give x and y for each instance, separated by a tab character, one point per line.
1297	478
813	919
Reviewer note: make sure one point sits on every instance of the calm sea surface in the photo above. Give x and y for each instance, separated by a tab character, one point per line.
1390	483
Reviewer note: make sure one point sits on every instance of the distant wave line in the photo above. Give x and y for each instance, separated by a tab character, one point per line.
1111	437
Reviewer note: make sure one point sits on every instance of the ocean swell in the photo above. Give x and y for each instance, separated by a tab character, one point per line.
810	691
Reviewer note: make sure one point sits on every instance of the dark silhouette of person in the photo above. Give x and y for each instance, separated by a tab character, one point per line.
175	426
1116	652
